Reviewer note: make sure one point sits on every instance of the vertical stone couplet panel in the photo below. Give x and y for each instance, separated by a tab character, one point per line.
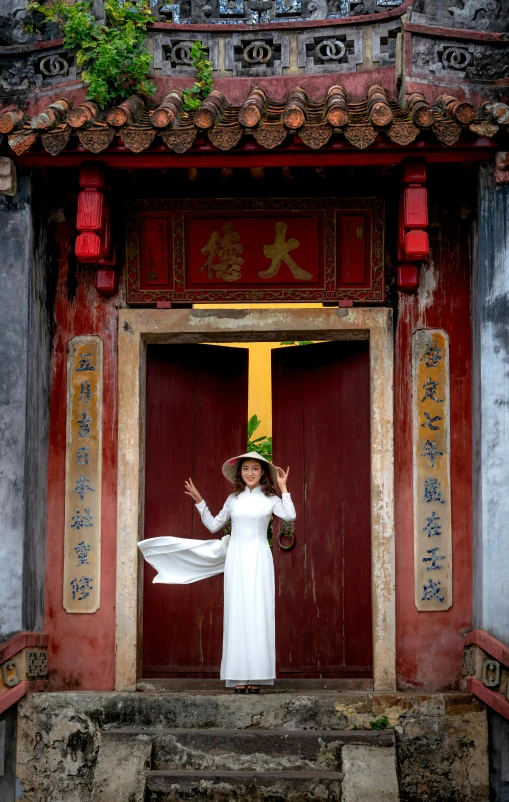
82	536
432	482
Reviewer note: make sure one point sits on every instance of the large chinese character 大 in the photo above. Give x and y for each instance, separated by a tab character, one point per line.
223	254
280	252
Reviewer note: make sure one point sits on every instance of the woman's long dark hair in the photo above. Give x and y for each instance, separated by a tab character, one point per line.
265	481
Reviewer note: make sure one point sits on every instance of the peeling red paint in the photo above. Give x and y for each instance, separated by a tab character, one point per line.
87	641
430	645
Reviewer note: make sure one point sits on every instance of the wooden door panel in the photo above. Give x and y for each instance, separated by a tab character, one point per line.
323	585
196	413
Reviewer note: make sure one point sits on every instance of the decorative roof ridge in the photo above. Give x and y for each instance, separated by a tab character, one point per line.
361	122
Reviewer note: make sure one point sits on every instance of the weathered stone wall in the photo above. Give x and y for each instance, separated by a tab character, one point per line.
441	739
491	435
25	291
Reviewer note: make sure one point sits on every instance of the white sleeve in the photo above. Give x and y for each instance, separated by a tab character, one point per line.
283	508
217	523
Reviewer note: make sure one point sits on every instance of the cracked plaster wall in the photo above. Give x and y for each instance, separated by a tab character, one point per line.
491	406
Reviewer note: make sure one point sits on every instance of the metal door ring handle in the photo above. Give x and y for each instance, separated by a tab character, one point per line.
287	531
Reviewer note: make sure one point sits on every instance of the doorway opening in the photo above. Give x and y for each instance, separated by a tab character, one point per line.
316	399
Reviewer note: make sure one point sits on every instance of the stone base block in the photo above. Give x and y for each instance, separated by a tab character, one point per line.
369	774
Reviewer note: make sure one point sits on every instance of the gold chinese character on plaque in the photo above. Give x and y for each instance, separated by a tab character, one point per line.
226	249
280	252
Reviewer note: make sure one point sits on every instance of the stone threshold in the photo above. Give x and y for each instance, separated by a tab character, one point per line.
215	686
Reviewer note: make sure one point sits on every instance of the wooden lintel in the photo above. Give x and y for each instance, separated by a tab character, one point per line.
340	155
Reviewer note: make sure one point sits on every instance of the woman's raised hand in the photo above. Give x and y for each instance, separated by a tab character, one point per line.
282	477
192	491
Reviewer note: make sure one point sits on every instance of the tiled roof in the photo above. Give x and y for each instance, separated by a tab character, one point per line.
361	122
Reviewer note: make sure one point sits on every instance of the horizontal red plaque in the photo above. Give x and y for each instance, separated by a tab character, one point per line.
264	250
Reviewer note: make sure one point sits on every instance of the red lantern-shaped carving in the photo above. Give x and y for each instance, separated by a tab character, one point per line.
413	242
94	244
90	210
88	247
415	207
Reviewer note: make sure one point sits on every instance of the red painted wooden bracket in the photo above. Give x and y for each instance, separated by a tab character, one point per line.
413	242
408	277
13	695
489	644
491	698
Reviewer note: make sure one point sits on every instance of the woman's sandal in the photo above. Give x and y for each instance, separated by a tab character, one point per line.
239	689
253	689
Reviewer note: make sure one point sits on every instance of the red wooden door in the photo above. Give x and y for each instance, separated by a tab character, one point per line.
196	416
321	427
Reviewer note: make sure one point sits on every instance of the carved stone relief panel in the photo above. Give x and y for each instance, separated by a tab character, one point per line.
460	59
20	73
255	54
233	12
384	42
330	50
172	52
477	15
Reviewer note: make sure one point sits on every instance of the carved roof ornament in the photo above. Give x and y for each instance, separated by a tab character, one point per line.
363	121
476	15
252	12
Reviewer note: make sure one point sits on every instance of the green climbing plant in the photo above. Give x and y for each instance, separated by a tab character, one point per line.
204	83
261	444
114	57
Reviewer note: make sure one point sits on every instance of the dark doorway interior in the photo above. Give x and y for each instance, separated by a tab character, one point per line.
196	414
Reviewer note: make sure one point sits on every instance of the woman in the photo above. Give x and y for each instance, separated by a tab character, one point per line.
249	658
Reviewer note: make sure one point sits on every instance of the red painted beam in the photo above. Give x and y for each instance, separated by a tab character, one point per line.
456	33
339	155
20	641
491	698
488	643
13	695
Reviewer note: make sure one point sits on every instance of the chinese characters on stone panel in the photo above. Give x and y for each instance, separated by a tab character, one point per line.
84	417
432	513
224	260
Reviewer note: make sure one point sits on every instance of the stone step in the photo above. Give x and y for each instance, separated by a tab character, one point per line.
177	684
321	710
250	749
248	786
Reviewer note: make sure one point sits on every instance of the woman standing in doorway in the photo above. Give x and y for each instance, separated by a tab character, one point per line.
249	652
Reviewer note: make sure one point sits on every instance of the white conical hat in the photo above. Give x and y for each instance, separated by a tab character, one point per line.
230	466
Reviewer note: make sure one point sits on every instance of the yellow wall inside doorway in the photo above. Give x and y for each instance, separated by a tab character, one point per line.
260	398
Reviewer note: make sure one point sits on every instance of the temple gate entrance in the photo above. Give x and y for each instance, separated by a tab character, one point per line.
196	412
